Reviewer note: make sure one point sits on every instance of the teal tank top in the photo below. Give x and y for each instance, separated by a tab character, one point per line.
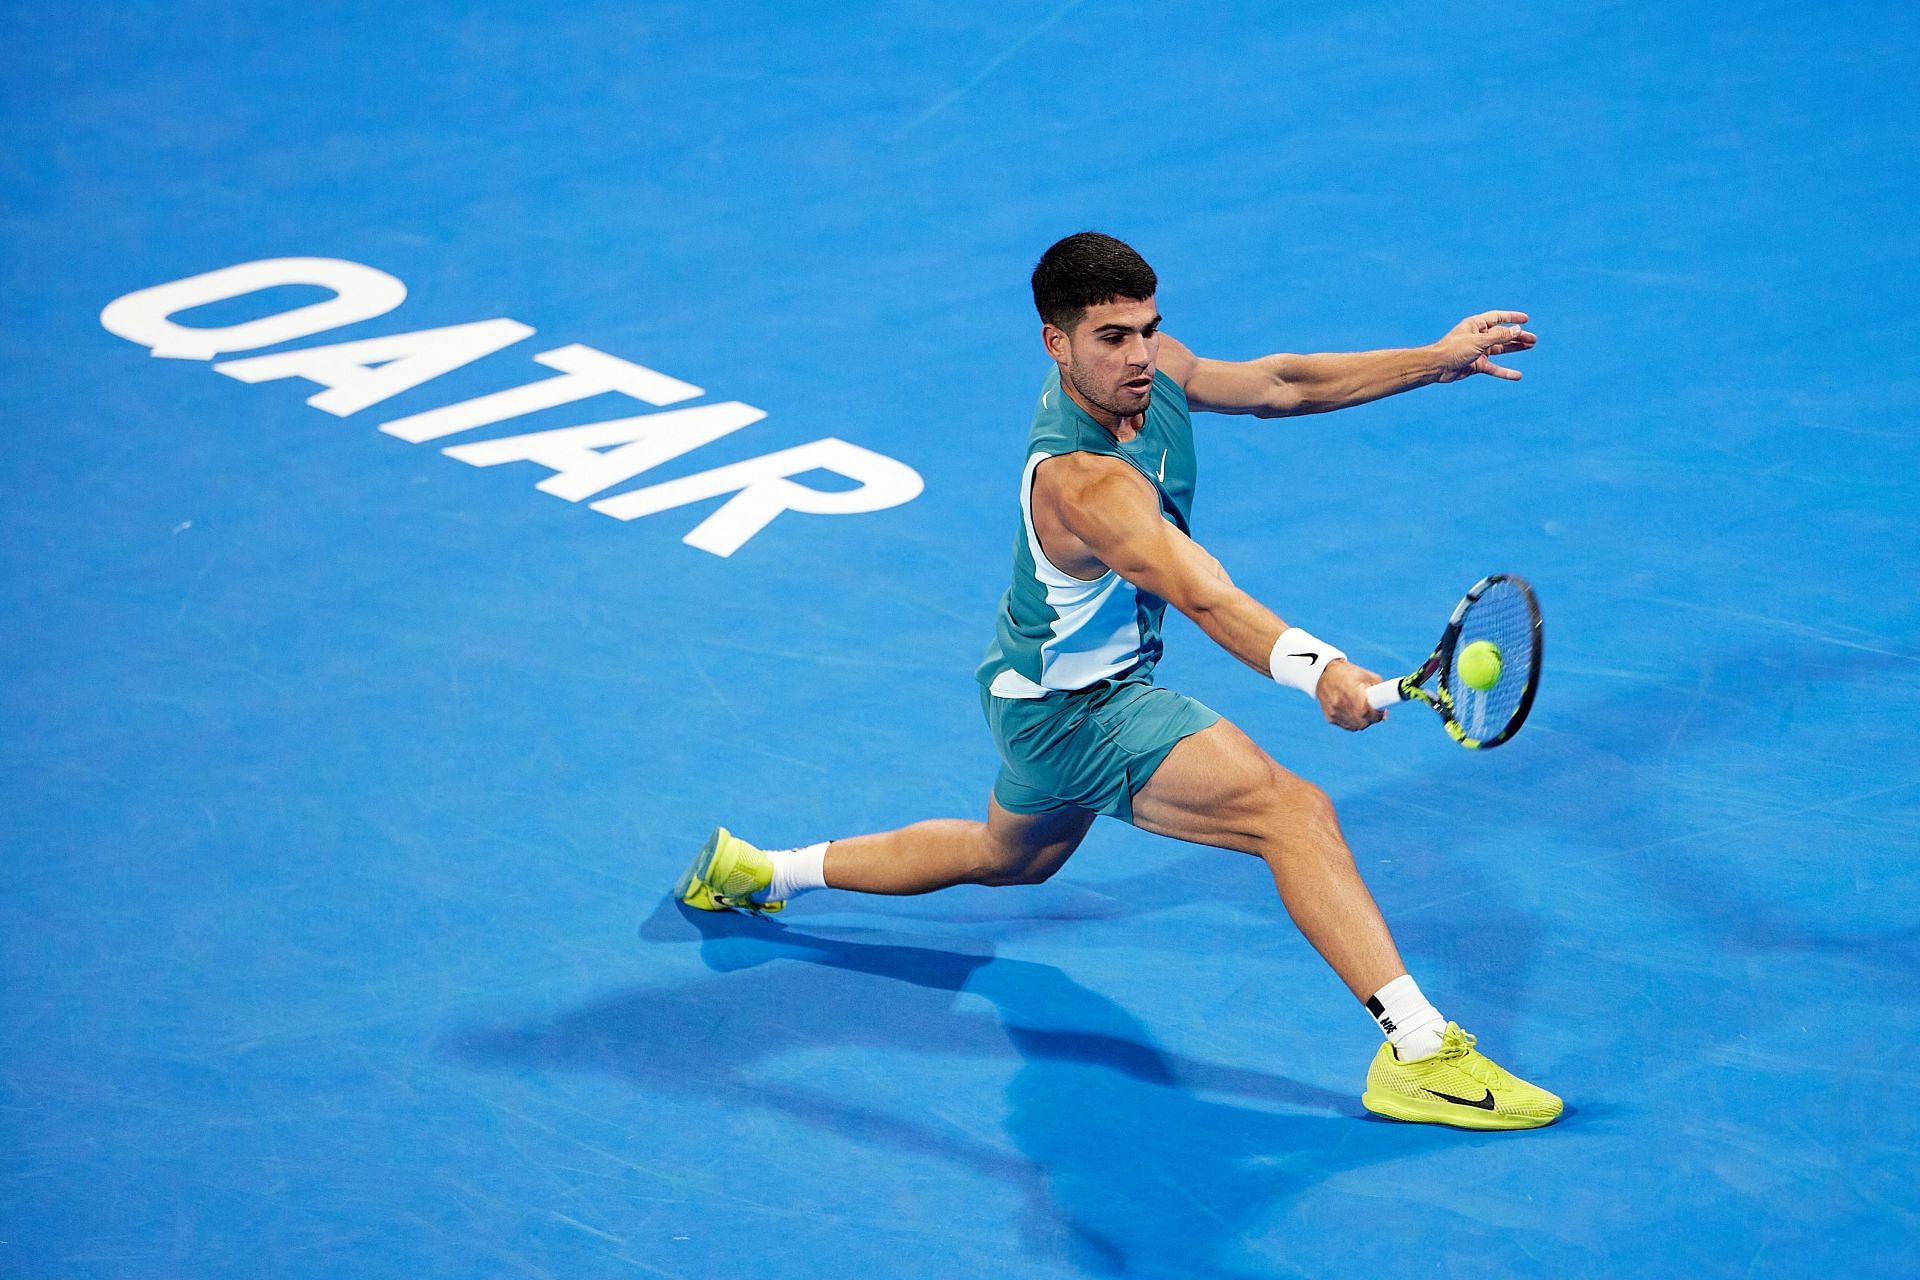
1057	632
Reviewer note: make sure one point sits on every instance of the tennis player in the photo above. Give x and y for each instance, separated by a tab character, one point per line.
1067	684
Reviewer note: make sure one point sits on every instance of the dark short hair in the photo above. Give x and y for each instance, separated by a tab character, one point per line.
1085	270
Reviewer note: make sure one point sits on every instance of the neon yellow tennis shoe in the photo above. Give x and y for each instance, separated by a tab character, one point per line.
1459	1086
725	875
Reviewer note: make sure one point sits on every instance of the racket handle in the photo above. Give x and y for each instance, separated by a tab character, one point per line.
1383	695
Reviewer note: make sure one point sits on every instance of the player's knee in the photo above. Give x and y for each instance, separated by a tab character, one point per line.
1314	805
1027	874
1025	869
1298	816
1002	865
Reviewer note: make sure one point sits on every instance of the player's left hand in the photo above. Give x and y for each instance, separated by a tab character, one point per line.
1469	347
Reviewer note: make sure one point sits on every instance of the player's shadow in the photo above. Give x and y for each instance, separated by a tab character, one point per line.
1130	1159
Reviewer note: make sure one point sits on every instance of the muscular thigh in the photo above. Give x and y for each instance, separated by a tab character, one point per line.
1219	788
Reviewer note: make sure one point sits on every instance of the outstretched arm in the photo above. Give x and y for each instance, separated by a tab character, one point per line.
1112	511
1279	386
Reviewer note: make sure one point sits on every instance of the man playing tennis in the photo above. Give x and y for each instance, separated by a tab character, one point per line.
1067	684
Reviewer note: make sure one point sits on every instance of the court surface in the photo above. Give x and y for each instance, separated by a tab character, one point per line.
343	780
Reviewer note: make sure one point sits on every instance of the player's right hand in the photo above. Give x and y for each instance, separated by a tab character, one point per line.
1343	695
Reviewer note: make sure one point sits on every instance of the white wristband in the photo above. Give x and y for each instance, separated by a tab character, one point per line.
1298	659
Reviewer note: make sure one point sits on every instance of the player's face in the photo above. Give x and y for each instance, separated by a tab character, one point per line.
1111	354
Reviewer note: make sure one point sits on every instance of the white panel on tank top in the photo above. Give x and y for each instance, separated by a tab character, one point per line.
1097	632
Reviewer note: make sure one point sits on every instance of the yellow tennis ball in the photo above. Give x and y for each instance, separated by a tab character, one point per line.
1479	664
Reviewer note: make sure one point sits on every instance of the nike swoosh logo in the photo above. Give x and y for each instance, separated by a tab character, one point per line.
1163	465
1484	1104
1310	657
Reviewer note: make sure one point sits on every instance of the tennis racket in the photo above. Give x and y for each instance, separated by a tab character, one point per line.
1501	609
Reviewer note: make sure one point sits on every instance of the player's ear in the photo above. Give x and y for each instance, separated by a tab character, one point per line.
1057	342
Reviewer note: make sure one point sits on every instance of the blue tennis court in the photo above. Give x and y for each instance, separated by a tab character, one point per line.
351	748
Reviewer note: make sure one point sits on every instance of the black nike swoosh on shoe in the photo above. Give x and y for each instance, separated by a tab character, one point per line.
1484	1104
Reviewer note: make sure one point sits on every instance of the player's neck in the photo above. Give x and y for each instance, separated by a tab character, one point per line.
1123	429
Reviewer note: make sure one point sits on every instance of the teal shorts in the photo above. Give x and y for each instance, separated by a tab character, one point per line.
1092	748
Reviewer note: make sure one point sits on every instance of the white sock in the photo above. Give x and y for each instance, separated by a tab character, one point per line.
796	870
1412	1024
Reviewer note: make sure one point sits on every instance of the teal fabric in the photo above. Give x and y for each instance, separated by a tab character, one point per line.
1163	452
1093	748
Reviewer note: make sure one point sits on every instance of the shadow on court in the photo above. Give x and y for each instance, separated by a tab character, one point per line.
1128	1158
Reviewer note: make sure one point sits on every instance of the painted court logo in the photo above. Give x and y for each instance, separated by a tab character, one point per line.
586	460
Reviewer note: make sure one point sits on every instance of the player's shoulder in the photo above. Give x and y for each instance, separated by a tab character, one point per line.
1177	362
1055	425
1085	465
1083	479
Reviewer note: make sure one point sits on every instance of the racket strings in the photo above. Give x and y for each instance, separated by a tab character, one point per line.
1502	616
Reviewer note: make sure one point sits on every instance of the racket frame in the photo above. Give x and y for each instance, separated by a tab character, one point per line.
1410	688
